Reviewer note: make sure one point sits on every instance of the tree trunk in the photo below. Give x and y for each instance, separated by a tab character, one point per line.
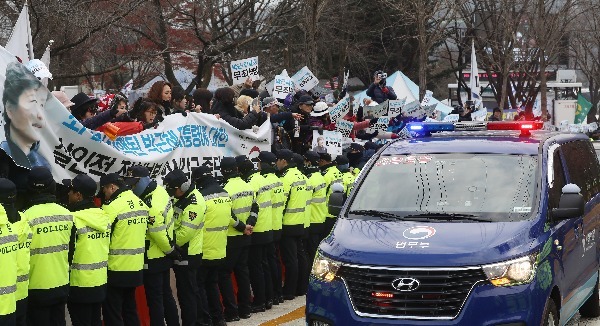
312	35
164	40
543	86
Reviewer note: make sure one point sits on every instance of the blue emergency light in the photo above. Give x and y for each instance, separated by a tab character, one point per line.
421	129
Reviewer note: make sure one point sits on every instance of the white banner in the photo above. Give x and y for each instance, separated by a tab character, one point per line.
382	123
242	69
44	133
344	127
340	109
427	98
451	118
379	110
329	142
395	107
282	87
305	79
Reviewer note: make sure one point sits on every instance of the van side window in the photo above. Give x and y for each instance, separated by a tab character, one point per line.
582	166
555	189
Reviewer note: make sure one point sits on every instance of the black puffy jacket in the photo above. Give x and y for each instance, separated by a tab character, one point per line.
231	115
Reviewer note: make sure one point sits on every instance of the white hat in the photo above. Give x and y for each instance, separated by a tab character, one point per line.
38	68
321	108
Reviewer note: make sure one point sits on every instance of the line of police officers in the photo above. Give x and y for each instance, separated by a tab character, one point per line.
93	259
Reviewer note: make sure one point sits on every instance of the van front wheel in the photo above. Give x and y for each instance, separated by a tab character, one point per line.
550	314
591	308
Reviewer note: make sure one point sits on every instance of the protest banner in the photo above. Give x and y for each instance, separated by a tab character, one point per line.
329	142
415	110
46	134
451	118
305	79
244	68
340	109
395	107
282	86
382	124
344	127
379	110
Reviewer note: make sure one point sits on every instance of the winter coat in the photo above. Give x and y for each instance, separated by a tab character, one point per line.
231	115
380	94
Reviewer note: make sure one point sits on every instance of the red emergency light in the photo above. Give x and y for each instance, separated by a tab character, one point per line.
524	126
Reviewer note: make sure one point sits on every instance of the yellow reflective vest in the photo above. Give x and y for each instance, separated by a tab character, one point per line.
278	200
294	186
9	244
22	229
160	223
262	190
51	225
242	197
189	215
348	178
92	241
332	175
128	216
218	216
318	206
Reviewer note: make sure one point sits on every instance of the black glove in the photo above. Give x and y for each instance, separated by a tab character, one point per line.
175	253
373	121
320	131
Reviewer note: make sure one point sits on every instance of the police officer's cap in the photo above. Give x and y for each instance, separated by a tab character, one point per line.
138	171
174	179
241	159
325	156
341	160
267	157
229	164
312	157
356	147
298	159
8	191
111	178
83	184
201	171
40	177
285	154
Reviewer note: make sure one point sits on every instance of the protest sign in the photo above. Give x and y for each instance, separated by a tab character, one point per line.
282	86
379	110
395	107
344	127
340	109
382	123
242	69
451	118
329	142
67	148
427	98
305	79
415	110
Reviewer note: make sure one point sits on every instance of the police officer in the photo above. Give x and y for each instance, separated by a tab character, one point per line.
128	216
294	185
8	194
332	175
318	207
236	261
217	219
266	164
49	274
189	209
343	165
90	258
9	244
160	249
262	236
303	268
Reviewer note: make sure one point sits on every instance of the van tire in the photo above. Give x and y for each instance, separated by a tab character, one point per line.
591	307
550	317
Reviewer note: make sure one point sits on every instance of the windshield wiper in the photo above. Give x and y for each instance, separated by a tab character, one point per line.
449	216
376	213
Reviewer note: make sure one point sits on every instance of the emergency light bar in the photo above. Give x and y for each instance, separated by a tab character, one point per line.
426	128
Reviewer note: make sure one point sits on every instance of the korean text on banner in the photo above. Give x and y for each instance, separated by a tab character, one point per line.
282	87
380	109
382	123
395	107
340	109
242	69
344	127
305	79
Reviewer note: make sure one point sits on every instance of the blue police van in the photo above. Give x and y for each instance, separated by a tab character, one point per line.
467	224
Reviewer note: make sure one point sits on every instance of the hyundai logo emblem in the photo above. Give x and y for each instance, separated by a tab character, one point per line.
406	284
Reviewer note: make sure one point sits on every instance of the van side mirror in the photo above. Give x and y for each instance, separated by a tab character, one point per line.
571	203
336	199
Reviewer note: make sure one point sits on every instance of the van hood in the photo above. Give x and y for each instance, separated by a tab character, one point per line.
417	244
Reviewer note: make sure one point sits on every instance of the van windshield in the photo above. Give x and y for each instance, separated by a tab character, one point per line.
491	187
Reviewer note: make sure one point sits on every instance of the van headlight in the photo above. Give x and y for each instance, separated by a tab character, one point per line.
512	272
323	268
